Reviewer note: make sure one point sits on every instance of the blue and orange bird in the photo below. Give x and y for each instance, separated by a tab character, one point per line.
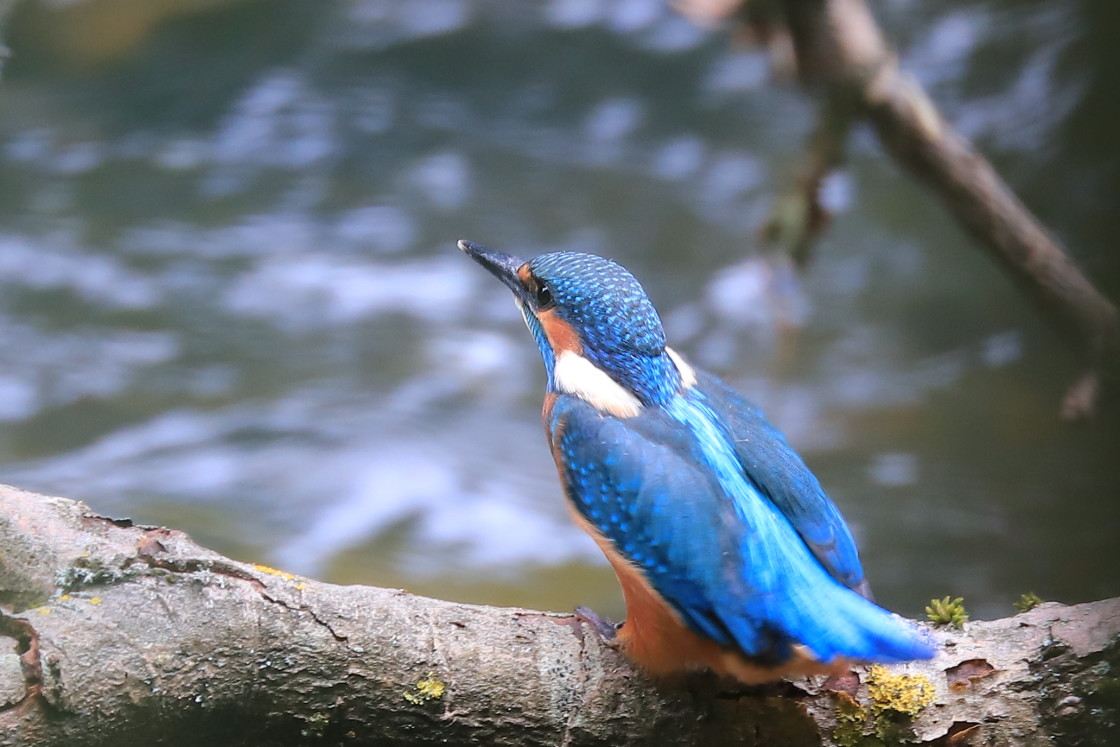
730	555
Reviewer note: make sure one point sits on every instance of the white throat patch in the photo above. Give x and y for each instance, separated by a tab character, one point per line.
573	374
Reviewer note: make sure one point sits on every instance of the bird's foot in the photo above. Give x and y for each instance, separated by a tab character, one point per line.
607	630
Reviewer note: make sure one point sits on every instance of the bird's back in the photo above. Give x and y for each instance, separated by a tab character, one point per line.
781	475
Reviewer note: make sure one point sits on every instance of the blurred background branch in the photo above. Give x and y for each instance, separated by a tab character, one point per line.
840	54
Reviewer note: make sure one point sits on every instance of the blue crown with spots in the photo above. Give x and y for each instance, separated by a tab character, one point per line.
603	301
620	330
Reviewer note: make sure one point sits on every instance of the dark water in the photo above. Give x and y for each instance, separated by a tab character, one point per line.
230	300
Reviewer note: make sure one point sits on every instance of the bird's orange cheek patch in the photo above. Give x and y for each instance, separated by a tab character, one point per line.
561	335
525	275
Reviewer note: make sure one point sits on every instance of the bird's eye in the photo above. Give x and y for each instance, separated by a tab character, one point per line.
543	297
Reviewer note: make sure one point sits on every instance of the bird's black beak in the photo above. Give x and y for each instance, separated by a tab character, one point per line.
502	266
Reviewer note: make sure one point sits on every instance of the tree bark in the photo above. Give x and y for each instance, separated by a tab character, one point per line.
112	633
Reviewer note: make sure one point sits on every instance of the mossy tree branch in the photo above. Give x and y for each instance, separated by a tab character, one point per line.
112	633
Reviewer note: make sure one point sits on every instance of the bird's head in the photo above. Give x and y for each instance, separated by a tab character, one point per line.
590	318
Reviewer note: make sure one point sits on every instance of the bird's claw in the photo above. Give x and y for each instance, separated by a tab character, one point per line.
606	630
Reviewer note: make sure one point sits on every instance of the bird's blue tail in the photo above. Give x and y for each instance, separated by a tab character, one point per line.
832	620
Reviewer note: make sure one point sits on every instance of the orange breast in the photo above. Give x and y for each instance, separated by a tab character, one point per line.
654	637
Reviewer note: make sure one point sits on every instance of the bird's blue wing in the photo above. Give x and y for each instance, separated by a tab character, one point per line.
781	475
732	566
633	482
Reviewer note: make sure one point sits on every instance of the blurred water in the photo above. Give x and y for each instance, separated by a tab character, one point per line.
230	300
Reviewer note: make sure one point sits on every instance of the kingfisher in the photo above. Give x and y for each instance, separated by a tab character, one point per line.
730	555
